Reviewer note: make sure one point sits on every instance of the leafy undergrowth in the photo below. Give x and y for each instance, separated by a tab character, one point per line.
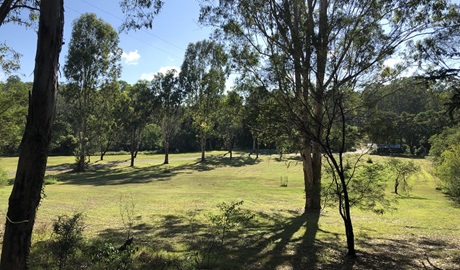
169	210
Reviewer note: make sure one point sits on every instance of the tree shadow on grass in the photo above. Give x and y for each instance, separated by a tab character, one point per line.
284	240
407	253
214	162
105	174
101	177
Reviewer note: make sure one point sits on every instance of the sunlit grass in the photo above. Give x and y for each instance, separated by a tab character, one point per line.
173	202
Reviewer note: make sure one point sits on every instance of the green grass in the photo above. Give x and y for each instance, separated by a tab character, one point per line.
172	204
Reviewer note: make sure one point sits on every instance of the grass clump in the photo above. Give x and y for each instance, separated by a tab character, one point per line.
50	180
4	180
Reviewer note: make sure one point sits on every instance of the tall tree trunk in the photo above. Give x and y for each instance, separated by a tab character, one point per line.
166	148
132	159
316	164
26	193
312	191
258	147
203	146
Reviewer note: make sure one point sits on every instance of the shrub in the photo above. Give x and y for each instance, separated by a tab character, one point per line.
4	181
50	180
448	170
106	256
68	233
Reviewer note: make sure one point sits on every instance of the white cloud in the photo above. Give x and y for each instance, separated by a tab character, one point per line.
149	75
131	58
392	62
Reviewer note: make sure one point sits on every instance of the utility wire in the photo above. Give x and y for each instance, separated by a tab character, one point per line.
143	30
129	35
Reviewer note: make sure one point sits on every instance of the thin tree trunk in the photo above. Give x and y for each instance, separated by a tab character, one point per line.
132	159
166	148
257	151
26	193
203	146
347	220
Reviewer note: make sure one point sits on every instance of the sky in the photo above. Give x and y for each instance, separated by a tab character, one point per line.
145	52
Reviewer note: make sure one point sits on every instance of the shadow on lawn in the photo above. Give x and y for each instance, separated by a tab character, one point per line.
288	241
105	174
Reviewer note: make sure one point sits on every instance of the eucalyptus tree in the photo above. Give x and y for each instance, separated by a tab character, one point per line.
27	190
93	59
12	11
104	119
136	112
230	119
169	96
311	50
202	77
13	112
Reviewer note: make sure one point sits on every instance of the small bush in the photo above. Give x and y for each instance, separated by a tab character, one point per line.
68	234
106	256
50	180
4	181
224	225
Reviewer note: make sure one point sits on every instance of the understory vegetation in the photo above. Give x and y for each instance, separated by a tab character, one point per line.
236	214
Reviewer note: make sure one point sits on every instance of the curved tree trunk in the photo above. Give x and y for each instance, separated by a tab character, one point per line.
26	193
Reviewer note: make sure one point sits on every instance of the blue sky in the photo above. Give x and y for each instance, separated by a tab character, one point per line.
145	51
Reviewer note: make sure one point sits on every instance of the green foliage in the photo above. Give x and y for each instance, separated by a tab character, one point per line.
105	255
4	179
68	237
50	180
9	59
93	59
445	151
407	111
139	13
202	77
13	111
440	142
448	170
230	217
366	184
230	119
401	172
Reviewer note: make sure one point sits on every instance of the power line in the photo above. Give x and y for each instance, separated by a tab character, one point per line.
129	35
143	30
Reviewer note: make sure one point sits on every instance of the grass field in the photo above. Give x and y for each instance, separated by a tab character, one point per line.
171	204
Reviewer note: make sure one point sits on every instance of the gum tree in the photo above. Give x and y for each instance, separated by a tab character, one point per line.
310	50
202	78
26	193
169	96
93	59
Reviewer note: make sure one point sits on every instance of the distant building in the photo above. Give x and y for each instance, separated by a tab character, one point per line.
386	148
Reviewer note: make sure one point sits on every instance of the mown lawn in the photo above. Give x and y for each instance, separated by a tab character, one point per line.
171	205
